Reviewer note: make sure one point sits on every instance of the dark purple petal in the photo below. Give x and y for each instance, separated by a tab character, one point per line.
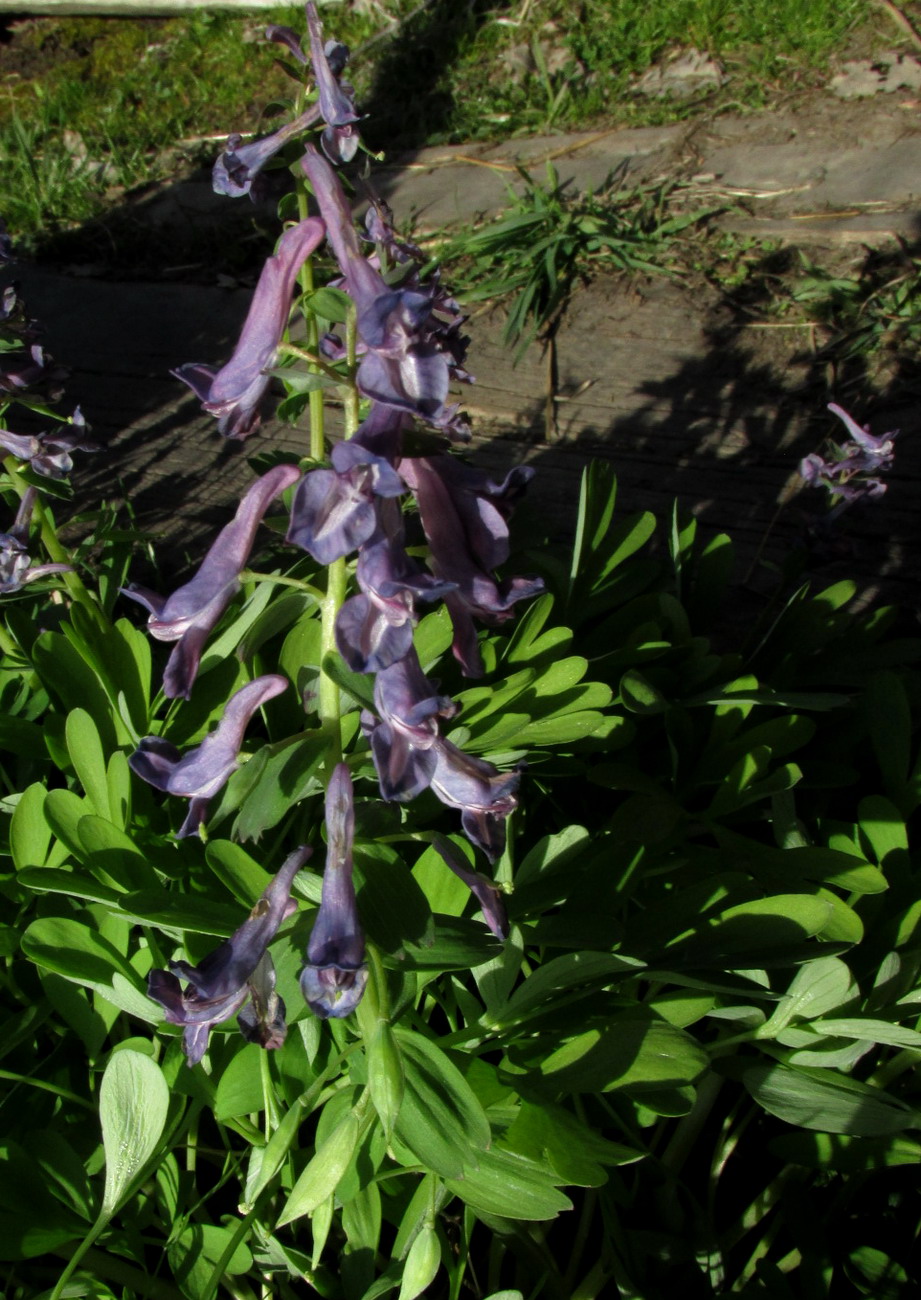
239	165
234	392
262	1020
335	511
205	769
485	795
335	976
362	282
219	985
415	382
190	614
486	892
406	699
464	517
287	36
367	639
14	564
337	108
403	769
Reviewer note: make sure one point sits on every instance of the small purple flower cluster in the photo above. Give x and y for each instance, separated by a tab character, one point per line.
850	472
29	377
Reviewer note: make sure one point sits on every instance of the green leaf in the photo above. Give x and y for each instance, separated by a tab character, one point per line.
764	925
457	943
629	1050
560	976
511	1186
113	856
422	1264
236	870
440	1121
133	1104
529	642
72	884
201	1255
870	1031
274	781
239	1089
118	783
888	718
883	825
819	986
640	696
432	637
80	954
814	1099
331	304
549	1133
847	1155
358	685
30	834
393	909
324	1171
177	912
385	1075
19	736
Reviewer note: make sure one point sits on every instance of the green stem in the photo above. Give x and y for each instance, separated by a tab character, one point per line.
328	702
351	398
317	364
317	412
247	575
110	1267
64	1093
78	1254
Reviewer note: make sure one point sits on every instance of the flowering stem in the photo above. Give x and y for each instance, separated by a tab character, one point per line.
328	702
317	415
351	400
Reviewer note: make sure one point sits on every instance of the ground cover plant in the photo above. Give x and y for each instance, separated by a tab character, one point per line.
408	929
94	107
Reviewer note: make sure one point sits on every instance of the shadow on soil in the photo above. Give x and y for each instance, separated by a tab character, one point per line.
722	430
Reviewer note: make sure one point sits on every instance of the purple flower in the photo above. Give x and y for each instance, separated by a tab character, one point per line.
49	453
406	362
464	514
337	107
23	372
262	1019
404	736
6	244
335	510
410	756
204	770
484	795
848	473
487	894
16	567
233	393
237	169
226	978
190	614
375	629
335	976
